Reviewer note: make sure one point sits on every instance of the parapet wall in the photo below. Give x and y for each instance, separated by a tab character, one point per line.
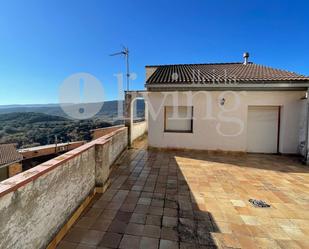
96	133
138	129
35	204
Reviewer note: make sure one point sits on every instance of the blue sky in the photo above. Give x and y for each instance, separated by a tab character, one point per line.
43	42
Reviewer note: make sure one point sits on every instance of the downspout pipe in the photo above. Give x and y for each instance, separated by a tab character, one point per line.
306	158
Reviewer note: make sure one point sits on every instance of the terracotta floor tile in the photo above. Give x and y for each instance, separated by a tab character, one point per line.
123	216
288	244
92	237
168	244
153	220
168	233
110	240
75	234
169	221
247	242
238	203
267	243
85	222
138	218
67	245
85	246
149	243
152	231
135	229
141	209
170	212
117	226
202	198
101	225
130	242
144	201
155	210
250	220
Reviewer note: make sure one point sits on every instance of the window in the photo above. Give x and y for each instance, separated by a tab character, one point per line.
178	119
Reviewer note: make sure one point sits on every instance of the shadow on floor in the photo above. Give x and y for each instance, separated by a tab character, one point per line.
156	200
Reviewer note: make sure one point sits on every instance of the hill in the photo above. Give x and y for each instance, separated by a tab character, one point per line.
31	129
108	111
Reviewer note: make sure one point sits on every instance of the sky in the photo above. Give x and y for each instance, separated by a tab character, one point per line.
44	42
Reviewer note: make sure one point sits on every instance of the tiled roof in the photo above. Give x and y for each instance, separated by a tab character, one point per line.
220	72
8	154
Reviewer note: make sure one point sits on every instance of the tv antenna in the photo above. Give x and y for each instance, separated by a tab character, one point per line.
125	53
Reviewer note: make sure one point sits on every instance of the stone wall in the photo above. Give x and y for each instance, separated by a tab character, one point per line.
35	204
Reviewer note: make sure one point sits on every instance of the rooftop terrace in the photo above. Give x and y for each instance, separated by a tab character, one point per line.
103	195
185	199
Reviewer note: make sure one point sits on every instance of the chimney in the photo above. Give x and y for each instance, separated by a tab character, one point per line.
246	58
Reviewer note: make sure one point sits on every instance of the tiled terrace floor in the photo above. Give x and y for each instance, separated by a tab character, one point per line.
192	200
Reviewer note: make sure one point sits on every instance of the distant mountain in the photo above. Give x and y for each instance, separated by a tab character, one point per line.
24	118
27	105
108	110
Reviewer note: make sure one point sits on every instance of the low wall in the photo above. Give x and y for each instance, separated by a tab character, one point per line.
35	204
107	152
138	129
96	133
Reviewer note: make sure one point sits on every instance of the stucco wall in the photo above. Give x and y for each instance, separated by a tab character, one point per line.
217	127
35	212
107	153
35	204
138	129
303	127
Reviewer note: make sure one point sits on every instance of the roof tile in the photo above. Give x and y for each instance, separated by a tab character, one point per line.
8	154
220	72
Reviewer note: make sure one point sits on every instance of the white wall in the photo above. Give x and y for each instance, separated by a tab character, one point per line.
303	127
220	130
138	129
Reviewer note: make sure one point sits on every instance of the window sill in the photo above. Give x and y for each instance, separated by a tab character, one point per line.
171	131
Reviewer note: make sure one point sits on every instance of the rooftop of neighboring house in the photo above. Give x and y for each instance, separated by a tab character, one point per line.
48	146
240	73
9	154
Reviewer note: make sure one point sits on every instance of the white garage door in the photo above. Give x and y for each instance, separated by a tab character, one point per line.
262	130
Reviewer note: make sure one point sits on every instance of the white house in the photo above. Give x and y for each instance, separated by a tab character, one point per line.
241	107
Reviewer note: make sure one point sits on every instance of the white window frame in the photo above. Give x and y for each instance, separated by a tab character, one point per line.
178	130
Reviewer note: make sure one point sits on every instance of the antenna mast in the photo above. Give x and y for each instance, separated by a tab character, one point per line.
125	52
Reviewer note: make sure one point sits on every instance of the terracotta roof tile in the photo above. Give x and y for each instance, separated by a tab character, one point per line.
8	154
220	72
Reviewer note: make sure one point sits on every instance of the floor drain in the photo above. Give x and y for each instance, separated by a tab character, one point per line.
259	203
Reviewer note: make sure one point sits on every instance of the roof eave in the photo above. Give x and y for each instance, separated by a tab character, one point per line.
10	163
279	85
